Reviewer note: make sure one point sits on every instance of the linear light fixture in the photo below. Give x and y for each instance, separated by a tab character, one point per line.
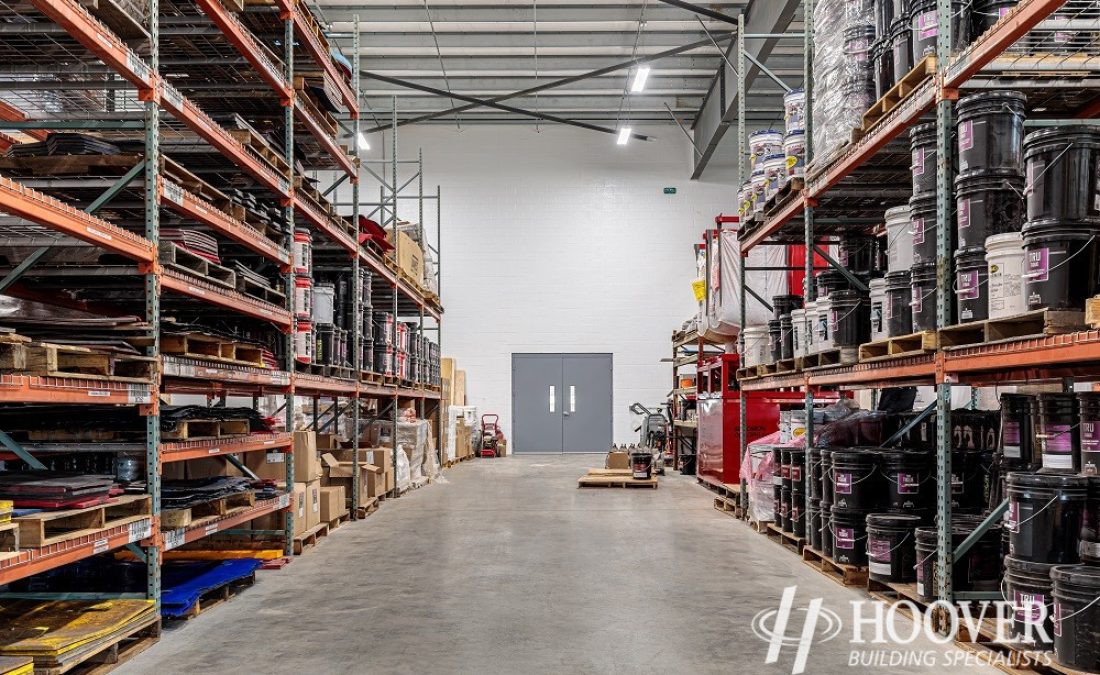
640	76
624	135
362	141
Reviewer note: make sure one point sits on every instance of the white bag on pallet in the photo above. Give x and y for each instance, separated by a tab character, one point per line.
723	313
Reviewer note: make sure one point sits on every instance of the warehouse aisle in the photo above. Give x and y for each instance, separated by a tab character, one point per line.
509	568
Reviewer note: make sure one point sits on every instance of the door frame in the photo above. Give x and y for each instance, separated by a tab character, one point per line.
511	384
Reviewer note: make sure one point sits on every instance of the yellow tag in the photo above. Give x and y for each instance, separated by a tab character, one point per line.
699	287
791	161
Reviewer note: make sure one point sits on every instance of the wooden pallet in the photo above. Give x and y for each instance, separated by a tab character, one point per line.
759	526
790	190
338	520
1036	324
309	538
189	430
214	509
216	596
1010	657
46	528
786	539
727	505
905	86
252	289
368	508
891	593
1092	312
339	372
209	347
9	540
103	655
723	489
257	144
184	261
845	575
621	478
53	360
913	344
843	356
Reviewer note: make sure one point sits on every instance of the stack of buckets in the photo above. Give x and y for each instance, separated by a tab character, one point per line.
1051	453
385	337
302	253
774	157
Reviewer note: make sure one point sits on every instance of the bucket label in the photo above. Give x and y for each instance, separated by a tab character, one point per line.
888	310
785	470
968	285
918	300
908	483
1010	439
845	538
1012	517
782	509
1029	606
1058	446
796	473
842	483
918	162
962	209
918	230
957	482
777	479
927	25
1037	265
1090	436
1056	618
876	317
966	137
879	549
796	513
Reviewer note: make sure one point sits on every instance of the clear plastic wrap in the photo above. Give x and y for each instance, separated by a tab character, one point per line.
402	474
723	317
844	85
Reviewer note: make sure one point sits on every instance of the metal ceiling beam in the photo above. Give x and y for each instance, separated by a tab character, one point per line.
703	11
623	65
492	104
719	109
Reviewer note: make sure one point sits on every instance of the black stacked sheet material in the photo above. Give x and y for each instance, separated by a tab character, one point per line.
193	241
64	144
171	416
41	489
182	494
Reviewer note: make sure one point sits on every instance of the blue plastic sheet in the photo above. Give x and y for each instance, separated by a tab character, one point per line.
184	583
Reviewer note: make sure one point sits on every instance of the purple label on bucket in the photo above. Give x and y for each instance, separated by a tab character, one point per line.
879	549
908	483
1012	517
962	207
1037	265
966	135
842	483
796	473
1090	436
927	25
1059	438
1003	11
834	319
918	162
957	481
918	230
1056	619
918	299
1010	439
845	537
968	285
1029	606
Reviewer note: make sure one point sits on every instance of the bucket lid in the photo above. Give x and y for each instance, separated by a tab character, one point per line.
903	456
922	130
1046	480
1080	575
897	212
765	134
905	520
1028	567
795	136
794	94
1003	99
1005	240
877	284
898	278
1078	134
971	254
855	454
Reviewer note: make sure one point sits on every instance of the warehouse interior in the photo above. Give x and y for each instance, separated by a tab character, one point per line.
544	336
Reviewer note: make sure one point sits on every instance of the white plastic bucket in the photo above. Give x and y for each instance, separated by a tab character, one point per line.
878	309
809	344
899	239
823	334
324	303
798	332
794	110
794	147
756	346
762	144
1005	255
759	185
303	297
775	174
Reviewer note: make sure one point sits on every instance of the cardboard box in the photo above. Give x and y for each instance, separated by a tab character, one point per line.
458	388
339	470
299	507
328	442
408	255
383	457
334	503
617	459
307	463
270	464
463	446
313	503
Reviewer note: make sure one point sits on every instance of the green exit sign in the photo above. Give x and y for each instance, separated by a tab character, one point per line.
670	190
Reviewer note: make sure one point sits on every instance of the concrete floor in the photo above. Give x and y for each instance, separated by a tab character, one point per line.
509	568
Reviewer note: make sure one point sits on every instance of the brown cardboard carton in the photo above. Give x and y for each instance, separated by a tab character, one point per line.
408	254
463	447
339	470
458	388
210	467
299	507
269	465
333	503
327	442
383	457
313	503
307	464
618	459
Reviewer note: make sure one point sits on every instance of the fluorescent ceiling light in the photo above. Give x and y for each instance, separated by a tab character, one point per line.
624	135
362	140
640	76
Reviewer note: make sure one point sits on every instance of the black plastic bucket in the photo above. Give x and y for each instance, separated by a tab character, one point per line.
967	482
826	529
884	16
849	529
979	569
784	520
971	287
1089	548
1088	405
1028	588
814	488
985	13
785	304
990	132
798	514
925	25
785	467
986	205
910	479
1076	616
891	547
923	289
777	484
897	310
827	475
857	482
882	65
1063	169
858	253
1017	436
1060	265
851	318
924	225
974	430
1045	512
901	46
922	144
786	339
858	41
813	523
775	339
831	280
1059	435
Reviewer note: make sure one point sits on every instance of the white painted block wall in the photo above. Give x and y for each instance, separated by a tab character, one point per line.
562	241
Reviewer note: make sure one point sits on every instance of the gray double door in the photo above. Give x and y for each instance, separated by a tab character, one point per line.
561	402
